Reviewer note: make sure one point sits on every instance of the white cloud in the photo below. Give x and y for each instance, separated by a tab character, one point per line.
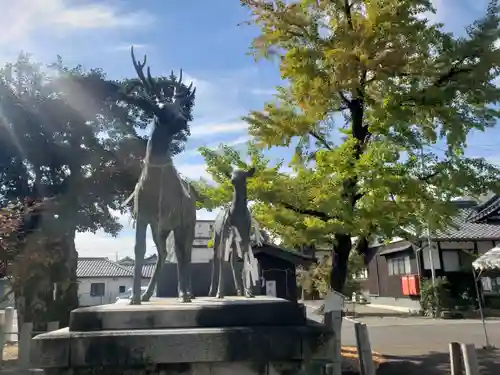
190	152
263	92
97	16
103	245
22	18
126	47
193	171
239	141
217	99
218	128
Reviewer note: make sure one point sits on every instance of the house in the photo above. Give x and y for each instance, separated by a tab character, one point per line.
395	268
101	280
278	270
277	266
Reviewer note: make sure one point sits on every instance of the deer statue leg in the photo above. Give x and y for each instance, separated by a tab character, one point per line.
183	244
139	251
236	278
220	247
246	273
160	240
189	253
211	292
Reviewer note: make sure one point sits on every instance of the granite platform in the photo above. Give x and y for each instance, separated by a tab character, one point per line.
234	335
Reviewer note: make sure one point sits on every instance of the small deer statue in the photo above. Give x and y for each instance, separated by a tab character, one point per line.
232	231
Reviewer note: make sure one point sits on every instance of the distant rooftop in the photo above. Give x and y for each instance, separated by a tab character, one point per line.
101	267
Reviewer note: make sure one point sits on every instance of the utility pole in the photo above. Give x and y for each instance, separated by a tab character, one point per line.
428	230
429	242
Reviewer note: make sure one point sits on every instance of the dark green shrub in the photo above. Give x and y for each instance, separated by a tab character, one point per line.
436	298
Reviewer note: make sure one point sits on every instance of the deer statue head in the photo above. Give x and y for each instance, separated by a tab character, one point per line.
239	176
167	100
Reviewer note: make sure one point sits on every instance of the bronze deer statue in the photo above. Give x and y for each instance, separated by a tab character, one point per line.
162	199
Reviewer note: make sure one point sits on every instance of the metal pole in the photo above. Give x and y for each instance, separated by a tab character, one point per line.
428	231
480	303
431	258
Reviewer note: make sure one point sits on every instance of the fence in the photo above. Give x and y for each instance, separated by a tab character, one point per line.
23	337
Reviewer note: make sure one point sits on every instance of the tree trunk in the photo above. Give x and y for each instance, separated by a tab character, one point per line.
63	297
340	259
30	301
67	289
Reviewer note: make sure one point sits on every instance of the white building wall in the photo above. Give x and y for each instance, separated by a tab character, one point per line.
111	289
203	229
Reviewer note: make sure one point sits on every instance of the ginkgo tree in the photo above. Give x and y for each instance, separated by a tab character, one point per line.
371	86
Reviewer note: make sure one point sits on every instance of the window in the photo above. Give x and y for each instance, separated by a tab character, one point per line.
491	284
97	289
399	266
361	275
451	260
121	289
426	255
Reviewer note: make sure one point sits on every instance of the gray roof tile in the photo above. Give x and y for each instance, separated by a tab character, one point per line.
147	269
101	267
464	229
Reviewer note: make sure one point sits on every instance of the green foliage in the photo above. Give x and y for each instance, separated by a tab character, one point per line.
397	95
316	278
371	87
437	297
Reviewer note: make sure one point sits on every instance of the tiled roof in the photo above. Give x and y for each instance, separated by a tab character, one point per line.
148	266
492	206
101	267
464	229
147	269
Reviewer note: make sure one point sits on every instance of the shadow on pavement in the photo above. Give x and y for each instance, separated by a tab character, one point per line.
436	364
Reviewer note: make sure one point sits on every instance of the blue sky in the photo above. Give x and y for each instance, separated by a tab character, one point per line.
201	37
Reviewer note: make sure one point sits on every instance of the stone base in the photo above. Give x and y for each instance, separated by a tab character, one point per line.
228	368
168	337
202	312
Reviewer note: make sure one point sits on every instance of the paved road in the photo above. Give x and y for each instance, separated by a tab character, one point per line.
416	346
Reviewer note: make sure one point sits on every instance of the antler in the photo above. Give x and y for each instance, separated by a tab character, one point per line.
181	93
147	81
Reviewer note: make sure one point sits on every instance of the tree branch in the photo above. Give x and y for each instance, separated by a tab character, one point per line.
344	99
357	197
347	10
321	140
451	74
428	177
318	214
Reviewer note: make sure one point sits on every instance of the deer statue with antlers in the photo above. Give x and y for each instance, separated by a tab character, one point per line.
162	199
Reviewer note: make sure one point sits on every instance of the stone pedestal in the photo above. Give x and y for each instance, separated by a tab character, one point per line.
208	336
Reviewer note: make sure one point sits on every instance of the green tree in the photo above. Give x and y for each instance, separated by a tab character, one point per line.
371	87
316	278
73	135
50	148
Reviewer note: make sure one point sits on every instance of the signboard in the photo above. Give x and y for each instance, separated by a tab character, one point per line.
271	288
